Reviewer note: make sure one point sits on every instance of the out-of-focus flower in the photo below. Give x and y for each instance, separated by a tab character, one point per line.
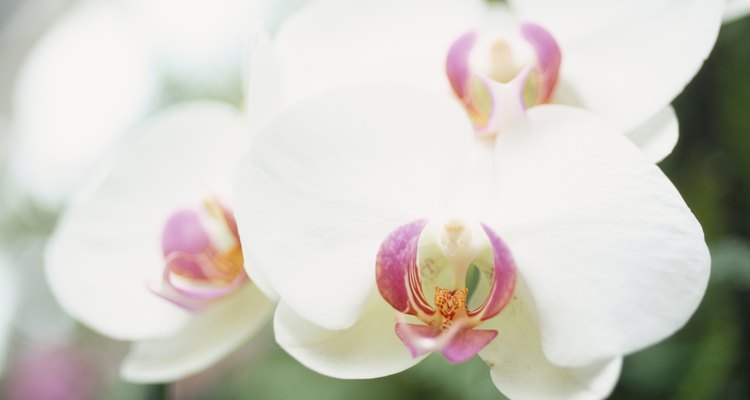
103	66
52	373
198	41
150	253
736	9
556	239
625	61
85	83
8	301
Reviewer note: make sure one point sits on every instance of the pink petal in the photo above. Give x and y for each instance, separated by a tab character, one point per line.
549	58
504	279
457	63
205	293
396	270
184	234
457	344
418	338
466	344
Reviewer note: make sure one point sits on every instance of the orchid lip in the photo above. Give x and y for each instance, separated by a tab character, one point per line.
422	255
203	259
503	90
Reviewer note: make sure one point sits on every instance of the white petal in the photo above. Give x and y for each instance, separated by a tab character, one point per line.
336	43
658	136
520	370
325	183
611	254
736	9
263	98
257	277
277	11
86	82
367	349
207	338
626	60
108	244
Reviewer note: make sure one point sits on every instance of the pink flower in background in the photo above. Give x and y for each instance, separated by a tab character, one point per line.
53	373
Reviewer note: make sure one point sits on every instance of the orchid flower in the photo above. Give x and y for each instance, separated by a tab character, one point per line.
150	253
390	229
625	61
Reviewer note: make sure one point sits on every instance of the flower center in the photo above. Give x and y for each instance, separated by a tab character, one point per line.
502	78
203	259
450	304
502	65
470	271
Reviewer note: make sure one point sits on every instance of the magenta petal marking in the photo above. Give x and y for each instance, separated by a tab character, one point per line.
457	344
206	293
503	280
419	339
191	296
396	270
549	57
466	344
169	294
457	63
184	234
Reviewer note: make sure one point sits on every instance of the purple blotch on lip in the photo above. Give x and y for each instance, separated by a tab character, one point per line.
184	234
458	344
196	271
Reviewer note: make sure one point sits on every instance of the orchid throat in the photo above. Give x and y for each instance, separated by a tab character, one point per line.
203	259
499	80
467	267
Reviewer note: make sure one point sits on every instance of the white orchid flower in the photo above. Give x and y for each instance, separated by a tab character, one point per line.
625	61
390	229
150	252
86	82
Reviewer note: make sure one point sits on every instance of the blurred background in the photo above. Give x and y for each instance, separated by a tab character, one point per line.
59	117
